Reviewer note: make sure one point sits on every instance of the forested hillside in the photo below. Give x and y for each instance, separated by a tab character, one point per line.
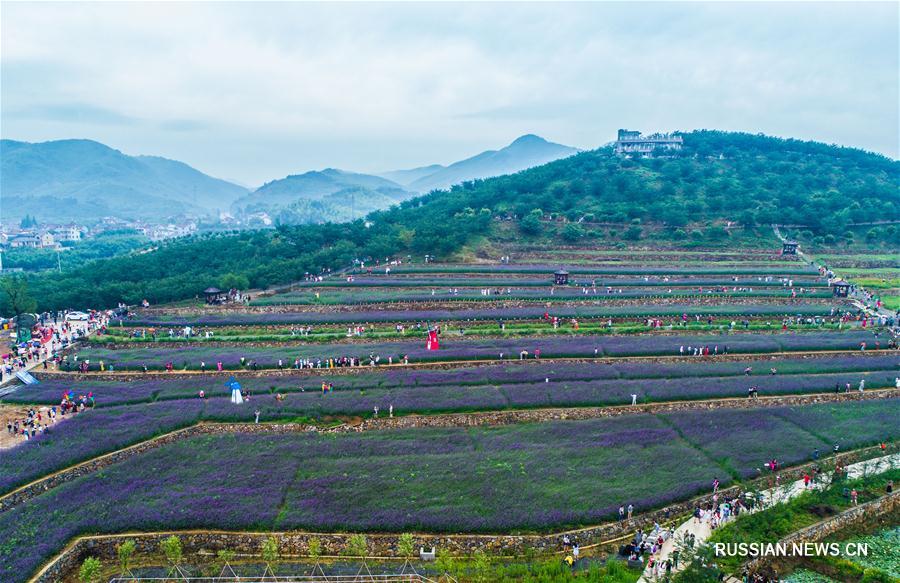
718	177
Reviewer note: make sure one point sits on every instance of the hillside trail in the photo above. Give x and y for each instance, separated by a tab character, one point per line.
702	531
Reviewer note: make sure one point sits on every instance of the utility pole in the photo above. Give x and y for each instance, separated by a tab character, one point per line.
58	262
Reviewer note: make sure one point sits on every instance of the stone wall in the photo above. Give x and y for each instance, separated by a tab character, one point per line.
852	517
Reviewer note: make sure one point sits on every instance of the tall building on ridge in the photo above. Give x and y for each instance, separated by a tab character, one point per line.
632	142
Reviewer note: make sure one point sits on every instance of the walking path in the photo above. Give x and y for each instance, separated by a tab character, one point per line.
49	349
702	531
52	347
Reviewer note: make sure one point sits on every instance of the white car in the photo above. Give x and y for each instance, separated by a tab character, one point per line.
76	316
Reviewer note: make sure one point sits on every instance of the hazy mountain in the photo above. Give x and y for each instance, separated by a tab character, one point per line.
407	177
326	195
79	179
526	152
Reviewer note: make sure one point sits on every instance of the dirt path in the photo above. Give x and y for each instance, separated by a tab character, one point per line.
9	413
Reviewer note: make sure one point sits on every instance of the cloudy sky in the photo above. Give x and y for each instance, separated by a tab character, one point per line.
253	92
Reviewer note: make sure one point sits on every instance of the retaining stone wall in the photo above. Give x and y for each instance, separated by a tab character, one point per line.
851	517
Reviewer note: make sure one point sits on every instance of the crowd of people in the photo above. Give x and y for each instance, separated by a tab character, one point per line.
50	335
37	422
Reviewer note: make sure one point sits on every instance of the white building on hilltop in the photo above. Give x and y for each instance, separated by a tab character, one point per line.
632	142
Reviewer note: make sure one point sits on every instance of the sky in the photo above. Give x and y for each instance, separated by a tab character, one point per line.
254	92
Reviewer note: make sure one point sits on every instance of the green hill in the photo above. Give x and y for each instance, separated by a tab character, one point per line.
318	196
717	177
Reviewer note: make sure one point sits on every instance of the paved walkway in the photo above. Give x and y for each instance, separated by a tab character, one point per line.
702	531
51	348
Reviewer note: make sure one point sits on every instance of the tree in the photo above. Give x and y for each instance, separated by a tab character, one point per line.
572	232
16	298
716	233
357	546
224	557
632	233
406	546
124	552
270	552
530	225
314	548
234	281
171	548
90	570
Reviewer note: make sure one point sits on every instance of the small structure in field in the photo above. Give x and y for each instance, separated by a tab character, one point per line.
561	277
214	295
789	248
840	288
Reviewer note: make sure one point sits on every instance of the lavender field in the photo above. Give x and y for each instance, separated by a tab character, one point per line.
512	478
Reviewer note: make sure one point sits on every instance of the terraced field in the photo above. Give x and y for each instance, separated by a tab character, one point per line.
408	438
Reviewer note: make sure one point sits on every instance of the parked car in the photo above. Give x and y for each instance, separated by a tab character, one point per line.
76	316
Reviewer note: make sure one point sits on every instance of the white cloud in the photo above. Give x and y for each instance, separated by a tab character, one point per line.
256	91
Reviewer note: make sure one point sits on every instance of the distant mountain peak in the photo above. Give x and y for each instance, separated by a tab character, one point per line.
524	152
528	139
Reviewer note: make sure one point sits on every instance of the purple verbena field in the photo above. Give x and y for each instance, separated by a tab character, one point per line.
849	428
646	345
795	268
511	478
505	280
153	388
105	429
335	296
473	314
90	434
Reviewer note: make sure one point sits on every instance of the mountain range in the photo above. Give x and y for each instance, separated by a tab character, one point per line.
83	179
525	152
